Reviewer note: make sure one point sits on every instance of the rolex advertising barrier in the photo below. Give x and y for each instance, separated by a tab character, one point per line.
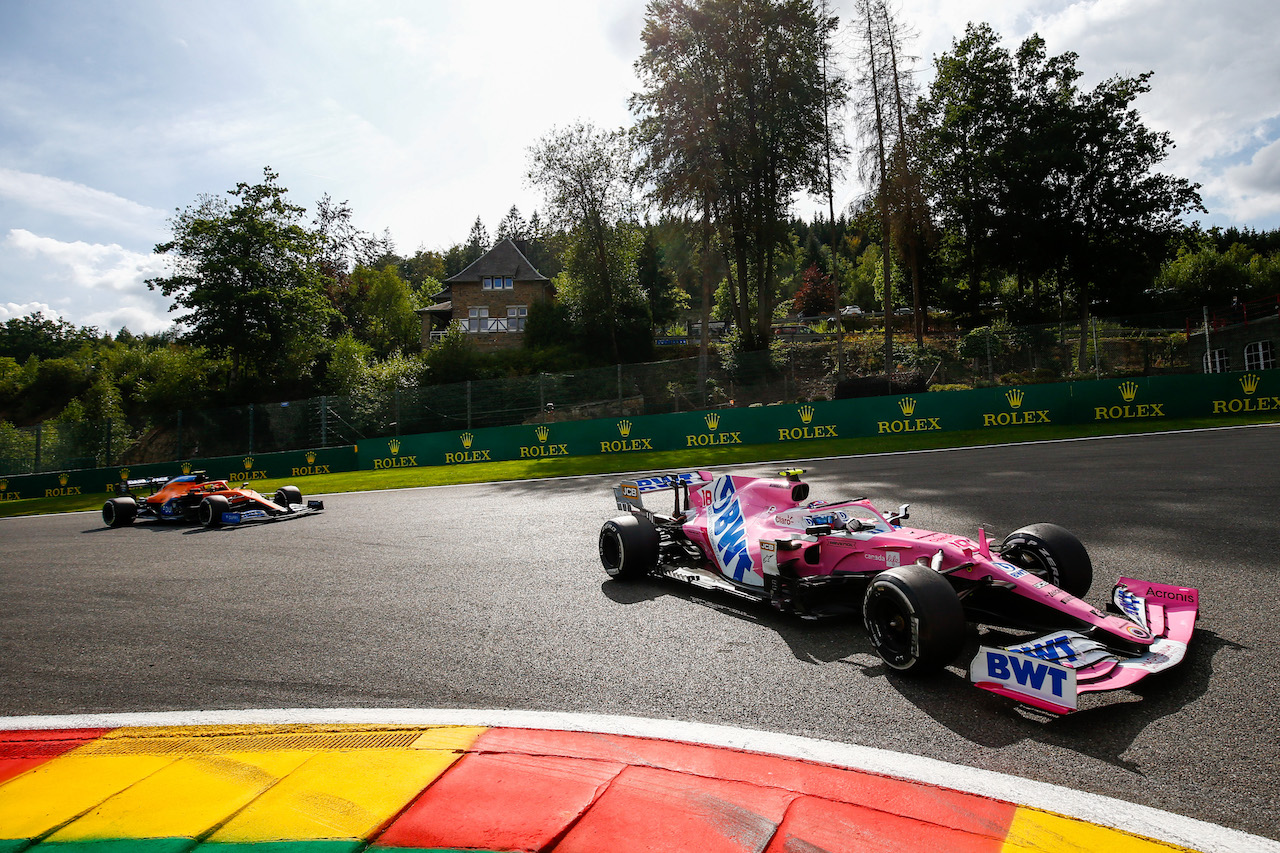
790	426
239	469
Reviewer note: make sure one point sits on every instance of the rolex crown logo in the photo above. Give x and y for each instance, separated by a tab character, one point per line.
1249	383
806	414
1128	390
311	458
542	432
124	473
624	428
248	463
394	446
712	419
62	479
467	438
1014	396
908	406
4	485
186	467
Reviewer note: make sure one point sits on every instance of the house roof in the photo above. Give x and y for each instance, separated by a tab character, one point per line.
503	259
439	307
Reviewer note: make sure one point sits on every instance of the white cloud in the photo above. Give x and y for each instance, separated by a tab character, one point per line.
79	202
91	265
10	310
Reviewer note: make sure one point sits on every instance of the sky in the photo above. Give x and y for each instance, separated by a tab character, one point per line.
420	114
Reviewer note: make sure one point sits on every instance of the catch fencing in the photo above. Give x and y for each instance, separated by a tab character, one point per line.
799	368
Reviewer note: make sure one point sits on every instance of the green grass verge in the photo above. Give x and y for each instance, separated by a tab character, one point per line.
400	478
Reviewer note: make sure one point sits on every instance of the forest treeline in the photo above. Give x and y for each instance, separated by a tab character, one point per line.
1002	191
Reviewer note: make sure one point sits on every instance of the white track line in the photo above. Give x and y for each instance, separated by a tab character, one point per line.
1094	808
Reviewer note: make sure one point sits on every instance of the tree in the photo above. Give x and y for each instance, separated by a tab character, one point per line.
244	271
477	242
815	296
963	146
731	122
379	307
586	175
513	227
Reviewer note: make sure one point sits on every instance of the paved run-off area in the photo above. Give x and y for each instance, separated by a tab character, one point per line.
337	787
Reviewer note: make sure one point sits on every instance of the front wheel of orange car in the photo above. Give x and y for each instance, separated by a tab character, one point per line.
211	510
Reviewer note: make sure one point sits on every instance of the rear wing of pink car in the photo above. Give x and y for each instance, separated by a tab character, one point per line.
629	494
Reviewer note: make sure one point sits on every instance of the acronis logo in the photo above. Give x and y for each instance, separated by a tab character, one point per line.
727	530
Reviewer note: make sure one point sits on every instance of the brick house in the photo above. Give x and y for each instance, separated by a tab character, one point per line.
491	298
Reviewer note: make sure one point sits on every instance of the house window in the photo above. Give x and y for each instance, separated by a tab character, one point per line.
516	315
1217	361
1259	355
477	319
497	282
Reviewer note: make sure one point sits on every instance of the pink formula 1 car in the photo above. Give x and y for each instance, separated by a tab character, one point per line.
762	538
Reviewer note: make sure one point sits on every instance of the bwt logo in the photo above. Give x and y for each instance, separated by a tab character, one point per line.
806	414
1249	383
1128	390
624	428
908	406
542	433
1015	398
728	531
467	438
712	419
394	446
1026	673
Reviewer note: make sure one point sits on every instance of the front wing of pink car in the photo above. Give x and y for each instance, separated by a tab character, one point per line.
1050	672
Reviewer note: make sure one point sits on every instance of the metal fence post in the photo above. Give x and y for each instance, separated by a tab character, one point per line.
620	411
324	420
468	404
39	429
251	429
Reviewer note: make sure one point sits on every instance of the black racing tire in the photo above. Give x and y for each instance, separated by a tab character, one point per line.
286	495
1052	553
119	512
914	619
211	510
629	546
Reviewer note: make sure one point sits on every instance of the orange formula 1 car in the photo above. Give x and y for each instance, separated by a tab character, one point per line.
196	498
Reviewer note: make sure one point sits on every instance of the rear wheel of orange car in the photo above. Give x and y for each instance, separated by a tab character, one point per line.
119	512
211	510
914	618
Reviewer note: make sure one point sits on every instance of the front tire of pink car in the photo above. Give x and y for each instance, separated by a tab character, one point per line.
1052	553
628	547
914	619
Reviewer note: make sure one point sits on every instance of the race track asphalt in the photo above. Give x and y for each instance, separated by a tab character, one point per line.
492	597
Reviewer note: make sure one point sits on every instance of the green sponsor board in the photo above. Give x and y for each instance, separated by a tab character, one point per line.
240	469
1254	391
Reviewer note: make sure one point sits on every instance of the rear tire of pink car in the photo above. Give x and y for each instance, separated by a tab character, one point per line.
628	547
914	619
1052	553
